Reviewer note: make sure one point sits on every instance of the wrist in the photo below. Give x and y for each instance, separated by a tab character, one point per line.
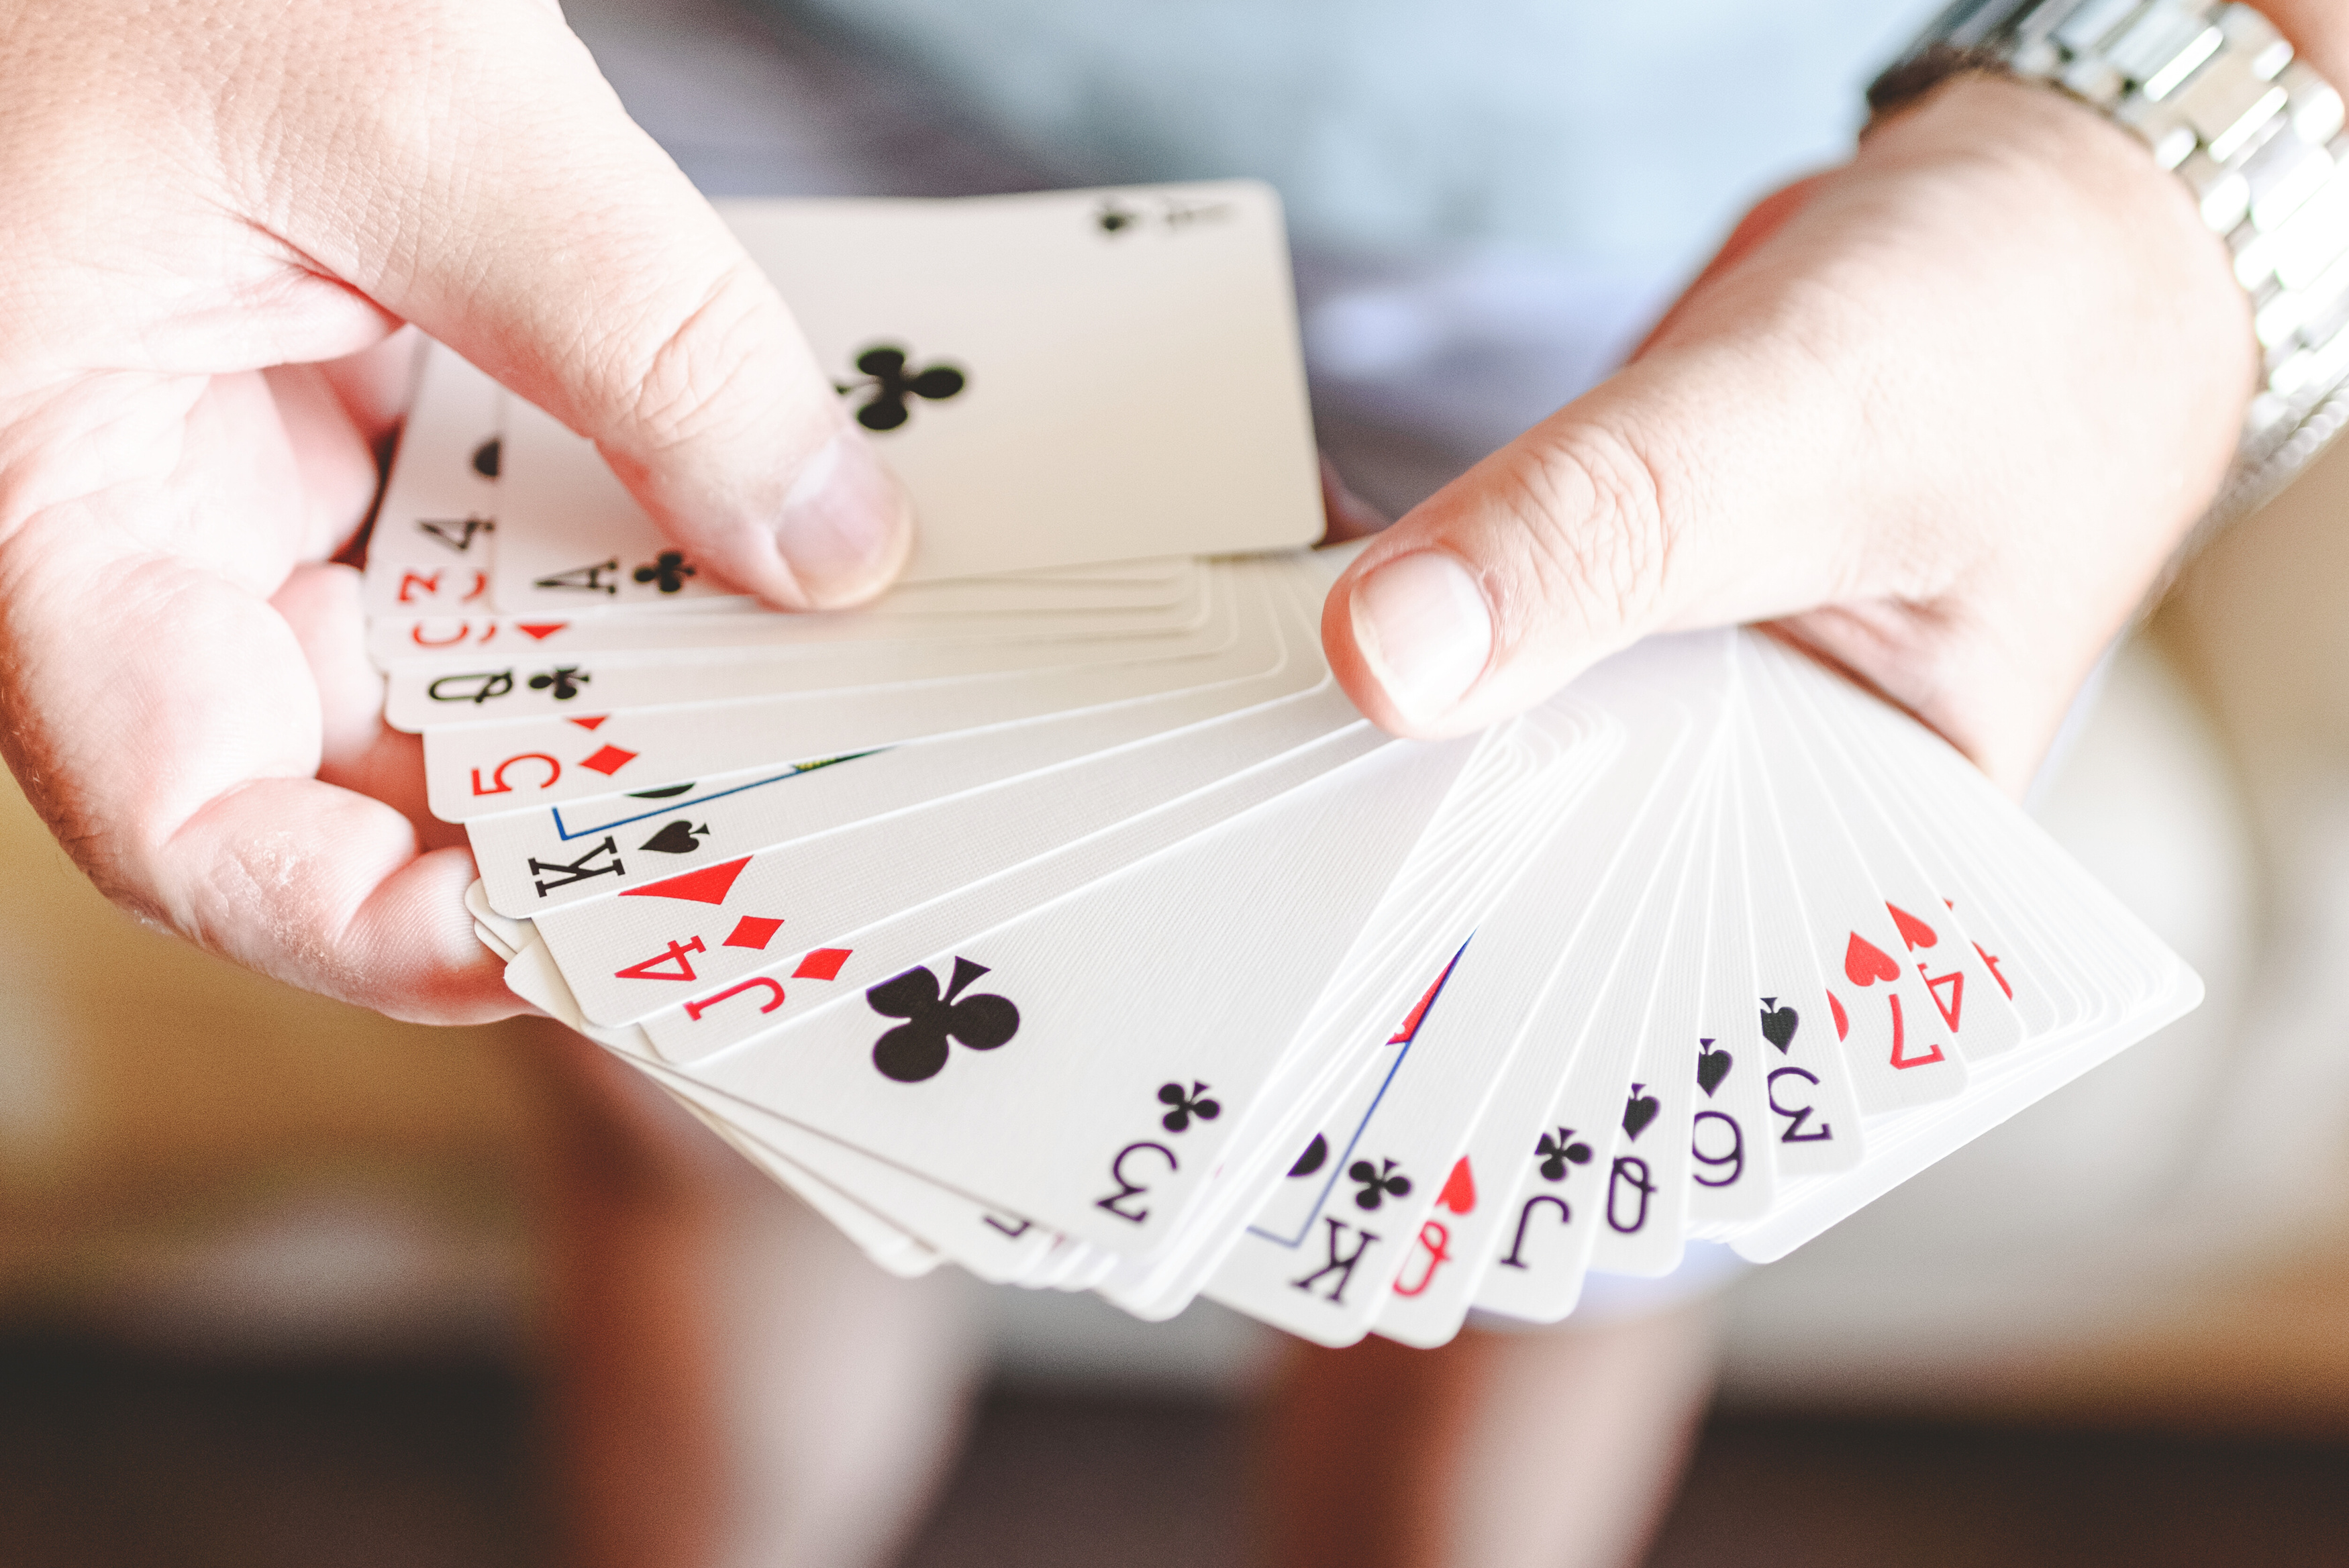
2251	124
2319	32
2064	214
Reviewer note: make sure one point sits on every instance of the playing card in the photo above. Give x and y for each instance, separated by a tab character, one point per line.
434	542
1732	1175
889	1204
1025	394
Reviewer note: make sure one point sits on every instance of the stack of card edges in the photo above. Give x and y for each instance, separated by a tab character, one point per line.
1058	917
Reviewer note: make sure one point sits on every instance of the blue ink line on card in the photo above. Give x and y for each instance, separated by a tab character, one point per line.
1406	1036
567	833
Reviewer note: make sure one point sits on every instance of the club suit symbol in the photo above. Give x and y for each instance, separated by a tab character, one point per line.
1559	1150
562	683
917	1049
1379	1182
666	572
1188	1105
884	370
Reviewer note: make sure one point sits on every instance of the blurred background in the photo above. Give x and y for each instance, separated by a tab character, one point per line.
280	1283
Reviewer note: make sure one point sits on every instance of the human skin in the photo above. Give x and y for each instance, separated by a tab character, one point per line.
1943	414
217	213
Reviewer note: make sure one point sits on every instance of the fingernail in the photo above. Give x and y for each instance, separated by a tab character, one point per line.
1422	626
846	523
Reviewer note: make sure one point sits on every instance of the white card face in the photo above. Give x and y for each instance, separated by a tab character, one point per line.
1968	1006
1645	1209
1427	913
1088	328
1732	1175
1584	1174
1977	999
577	544
786	1153
1093	376
995	1246
1320	1256
878	1205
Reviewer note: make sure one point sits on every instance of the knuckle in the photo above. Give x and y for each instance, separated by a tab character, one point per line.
698	367
1591	512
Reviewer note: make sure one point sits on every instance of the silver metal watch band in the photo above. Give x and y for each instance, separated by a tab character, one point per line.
2214	91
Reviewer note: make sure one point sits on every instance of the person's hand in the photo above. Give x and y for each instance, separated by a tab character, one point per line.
1943	414
214	211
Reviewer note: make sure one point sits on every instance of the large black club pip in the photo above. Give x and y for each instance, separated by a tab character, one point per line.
892	382
918	1048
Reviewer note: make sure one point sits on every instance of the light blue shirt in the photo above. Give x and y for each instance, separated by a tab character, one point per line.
1625	135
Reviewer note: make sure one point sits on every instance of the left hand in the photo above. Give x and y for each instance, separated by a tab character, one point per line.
1942	414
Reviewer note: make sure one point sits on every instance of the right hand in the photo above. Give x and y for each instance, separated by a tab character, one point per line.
214	211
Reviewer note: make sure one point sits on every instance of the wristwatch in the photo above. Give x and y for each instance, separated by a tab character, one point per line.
2214	91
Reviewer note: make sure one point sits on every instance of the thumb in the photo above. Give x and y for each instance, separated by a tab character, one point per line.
1952	404
530	225
1689	489
1552	552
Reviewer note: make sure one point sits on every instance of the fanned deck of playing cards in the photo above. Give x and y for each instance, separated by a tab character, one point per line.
1058	916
